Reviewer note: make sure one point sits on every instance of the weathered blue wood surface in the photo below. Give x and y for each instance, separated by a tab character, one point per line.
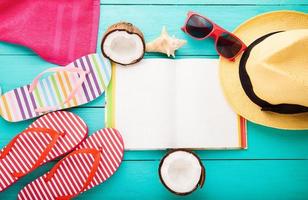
274	167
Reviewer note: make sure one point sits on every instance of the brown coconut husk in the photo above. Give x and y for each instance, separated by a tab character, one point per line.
202	176
129	28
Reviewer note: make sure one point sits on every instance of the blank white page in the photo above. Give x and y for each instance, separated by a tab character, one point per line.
204	120
166	103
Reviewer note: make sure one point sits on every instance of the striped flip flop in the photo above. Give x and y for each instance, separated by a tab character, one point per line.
92	163
75	84
48	138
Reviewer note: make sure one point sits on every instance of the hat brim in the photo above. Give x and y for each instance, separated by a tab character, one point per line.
229	71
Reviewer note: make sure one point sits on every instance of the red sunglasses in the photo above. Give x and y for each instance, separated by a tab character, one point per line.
227	44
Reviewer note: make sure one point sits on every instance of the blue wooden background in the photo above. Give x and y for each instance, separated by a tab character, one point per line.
274	167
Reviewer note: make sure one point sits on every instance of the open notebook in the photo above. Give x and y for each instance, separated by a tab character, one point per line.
166	103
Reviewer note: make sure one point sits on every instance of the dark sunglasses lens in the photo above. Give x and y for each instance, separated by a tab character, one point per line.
198	26
228	46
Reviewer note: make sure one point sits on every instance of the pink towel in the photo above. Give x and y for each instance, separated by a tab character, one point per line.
60	31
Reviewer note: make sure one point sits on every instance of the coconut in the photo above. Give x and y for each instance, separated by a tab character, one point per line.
123	43
181	171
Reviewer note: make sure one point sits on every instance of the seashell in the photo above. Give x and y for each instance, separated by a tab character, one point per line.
165	44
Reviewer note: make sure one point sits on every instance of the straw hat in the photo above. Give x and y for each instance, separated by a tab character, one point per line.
268	83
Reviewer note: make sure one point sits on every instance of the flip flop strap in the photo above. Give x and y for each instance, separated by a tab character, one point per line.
97	157
82	73
54	135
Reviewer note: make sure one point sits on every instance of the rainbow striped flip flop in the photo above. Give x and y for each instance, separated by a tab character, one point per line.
75	84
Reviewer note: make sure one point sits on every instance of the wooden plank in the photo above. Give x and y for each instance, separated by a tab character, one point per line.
173	17
251	180
207	3
263	142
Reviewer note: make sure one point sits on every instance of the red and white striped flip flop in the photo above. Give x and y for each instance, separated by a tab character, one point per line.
48	138
92	163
